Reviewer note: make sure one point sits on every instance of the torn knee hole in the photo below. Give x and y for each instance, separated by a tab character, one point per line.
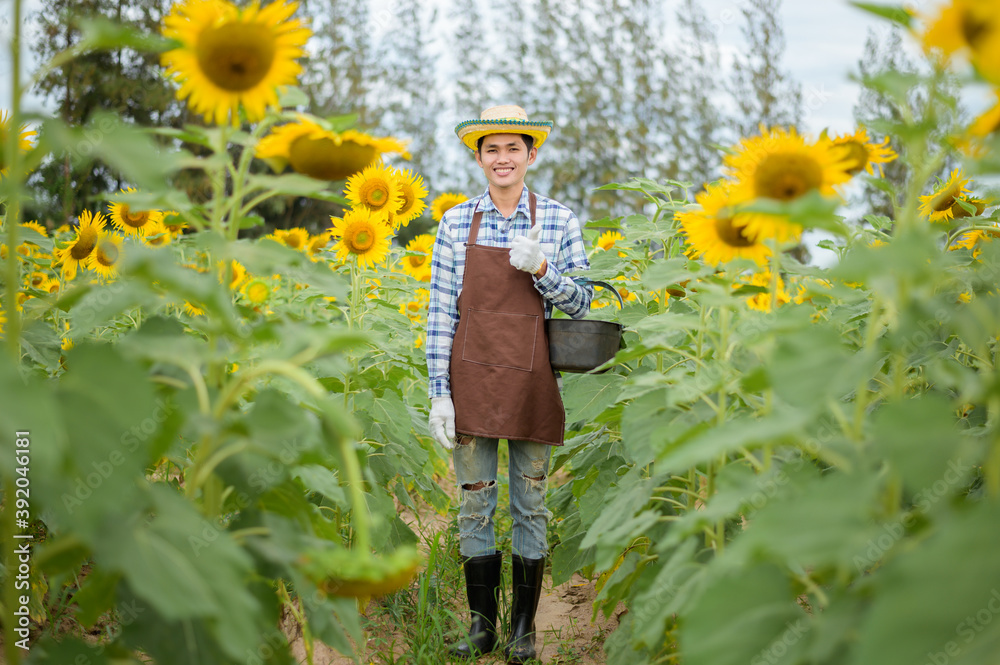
538	479
475	487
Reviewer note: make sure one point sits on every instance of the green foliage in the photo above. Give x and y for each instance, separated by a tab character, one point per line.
777	484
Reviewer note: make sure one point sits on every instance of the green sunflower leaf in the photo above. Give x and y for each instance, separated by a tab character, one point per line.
896	14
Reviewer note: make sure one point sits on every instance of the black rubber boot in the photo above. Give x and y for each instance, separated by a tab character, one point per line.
520	647
482	584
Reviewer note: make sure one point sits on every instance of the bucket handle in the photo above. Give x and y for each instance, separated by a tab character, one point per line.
621	303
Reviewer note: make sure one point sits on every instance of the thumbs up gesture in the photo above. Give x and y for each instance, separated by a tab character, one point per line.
526	252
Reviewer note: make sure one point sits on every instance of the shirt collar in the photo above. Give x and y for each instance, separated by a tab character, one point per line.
486	204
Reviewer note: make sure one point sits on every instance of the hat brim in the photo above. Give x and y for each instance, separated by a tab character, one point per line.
471	131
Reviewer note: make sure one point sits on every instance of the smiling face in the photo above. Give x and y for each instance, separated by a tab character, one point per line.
504	159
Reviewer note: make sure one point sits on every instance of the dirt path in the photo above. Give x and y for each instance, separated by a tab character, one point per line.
565	633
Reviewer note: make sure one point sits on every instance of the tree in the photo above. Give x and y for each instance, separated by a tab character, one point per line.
884	66
123	82
762	91
407	91
339	75
696	87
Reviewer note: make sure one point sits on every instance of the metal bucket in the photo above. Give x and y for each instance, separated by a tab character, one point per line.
581	345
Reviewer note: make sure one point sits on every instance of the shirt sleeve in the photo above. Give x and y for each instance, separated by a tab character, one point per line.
442	312
564	293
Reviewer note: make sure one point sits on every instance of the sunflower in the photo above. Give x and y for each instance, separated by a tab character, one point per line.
989	122
235	275
134	222
967	239
762	301
192	310
158	235
418	264
107	254
970	27
50	285
320	153
374	188
863	154
3	319
317	243
445	202
362	234
296	238
608	239
717	233
973	142
35	226
781	165
257	291
173	223
414	309
940	205
23	144
80	247
231	57
412	193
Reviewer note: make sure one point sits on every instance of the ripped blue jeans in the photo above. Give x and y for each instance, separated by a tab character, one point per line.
476	471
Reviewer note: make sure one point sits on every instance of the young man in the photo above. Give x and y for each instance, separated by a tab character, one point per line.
497	271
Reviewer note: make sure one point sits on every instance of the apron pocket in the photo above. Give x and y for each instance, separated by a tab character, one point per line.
500	339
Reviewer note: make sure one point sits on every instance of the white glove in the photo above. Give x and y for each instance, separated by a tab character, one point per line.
526	253
442	421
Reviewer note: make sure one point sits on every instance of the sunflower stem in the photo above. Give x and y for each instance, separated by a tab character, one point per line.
219	202
240	177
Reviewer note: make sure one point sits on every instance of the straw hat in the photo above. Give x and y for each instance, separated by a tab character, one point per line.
508	119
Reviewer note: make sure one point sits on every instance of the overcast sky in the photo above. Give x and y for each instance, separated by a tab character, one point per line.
824	40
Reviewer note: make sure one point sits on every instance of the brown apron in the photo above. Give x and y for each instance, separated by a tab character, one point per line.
502	383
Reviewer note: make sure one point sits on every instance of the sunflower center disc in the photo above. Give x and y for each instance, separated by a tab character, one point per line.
361	241
84	244
236	56
417	261
136	220
946	199
857	156
325	160
973	28
730	233
786	176
107	254
375	195
408	200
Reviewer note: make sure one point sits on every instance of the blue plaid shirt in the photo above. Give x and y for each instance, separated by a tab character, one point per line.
562	244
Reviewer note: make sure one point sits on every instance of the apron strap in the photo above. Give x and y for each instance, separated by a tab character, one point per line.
478	216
